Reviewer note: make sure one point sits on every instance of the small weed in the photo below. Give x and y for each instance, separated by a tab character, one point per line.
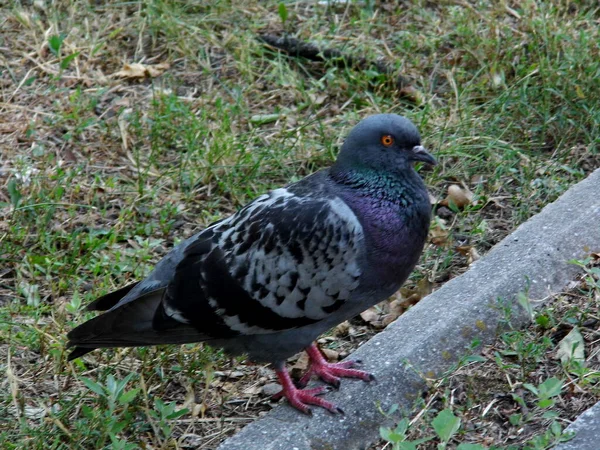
445	425
163	413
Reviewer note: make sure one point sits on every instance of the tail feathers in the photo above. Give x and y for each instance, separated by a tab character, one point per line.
138	340
78	352
130	325
109	300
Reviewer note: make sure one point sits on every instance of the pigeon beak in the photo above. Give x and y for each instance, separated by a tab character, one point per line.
420	154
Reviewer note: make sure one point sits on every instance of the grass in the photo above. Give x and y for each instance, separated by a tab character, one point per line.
100	175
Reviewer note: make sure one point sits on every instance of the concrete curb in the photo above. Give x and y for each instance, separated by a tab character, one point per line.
433	335
587	431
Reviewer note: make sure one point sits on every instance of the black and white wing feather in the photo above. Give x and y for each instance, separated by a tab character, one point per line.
284	261
287	260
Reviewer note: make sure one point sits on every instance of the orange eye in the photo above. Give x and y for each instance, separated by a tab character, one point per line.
387	140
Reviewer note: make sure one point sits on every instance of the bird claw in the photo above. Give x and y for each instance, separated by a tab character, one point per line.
331	373
302	398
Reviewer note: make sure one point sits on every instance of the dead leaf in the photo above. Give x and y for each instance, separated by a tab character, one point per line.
381	315
397	308
138	70
571	347
438	235
200	410
413	94
473	256
300	366
229	387
424	287
464	249
470	252
330	355
459	196
412	295
373	316
342	329
251	391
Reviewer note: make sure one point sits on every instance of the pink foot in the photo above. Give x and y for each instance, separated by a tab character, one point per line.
331	373
301	398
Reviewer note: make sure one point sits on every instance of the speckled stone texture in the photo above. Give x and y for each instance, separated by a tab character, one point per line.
432	335
587	431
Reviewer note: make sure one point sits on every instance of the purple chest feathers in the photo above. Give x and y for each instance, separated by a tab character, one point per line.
394	235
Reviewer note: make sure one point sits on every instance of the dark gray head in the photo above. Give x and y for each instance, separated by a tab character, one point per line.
384	143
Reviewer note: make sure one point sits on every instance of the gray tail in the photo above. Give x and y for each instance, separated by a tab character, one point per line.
138	322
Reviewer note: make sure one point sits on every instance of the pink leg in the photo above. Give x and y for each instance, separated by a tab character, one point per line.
331	373
301	398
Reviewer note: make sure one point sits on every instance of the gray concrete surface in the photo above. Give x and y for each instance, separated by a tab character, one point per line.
432	335
587	431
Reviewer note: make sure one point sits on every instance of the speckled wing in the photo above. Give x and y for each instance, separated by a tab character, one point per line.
284	261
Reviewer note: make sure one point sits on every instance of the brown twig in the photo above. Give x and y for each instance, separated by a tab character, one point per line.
295	47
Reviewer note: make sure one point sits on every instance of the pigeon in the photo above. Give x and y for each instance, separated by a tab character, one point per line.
293	263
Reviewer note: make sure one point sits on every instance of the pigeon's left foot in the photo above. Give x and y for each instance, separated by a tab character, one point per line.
331	373
301	398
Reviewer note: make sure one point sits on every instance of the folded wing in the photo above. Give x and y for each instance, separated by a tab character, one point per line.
286	260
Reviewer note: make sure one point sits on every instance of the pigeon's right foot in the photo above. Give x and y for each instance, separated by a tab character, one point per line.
301	398
331	373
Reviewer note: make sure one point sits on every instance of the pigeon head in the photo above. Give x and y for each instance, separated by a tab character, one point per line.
383	143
